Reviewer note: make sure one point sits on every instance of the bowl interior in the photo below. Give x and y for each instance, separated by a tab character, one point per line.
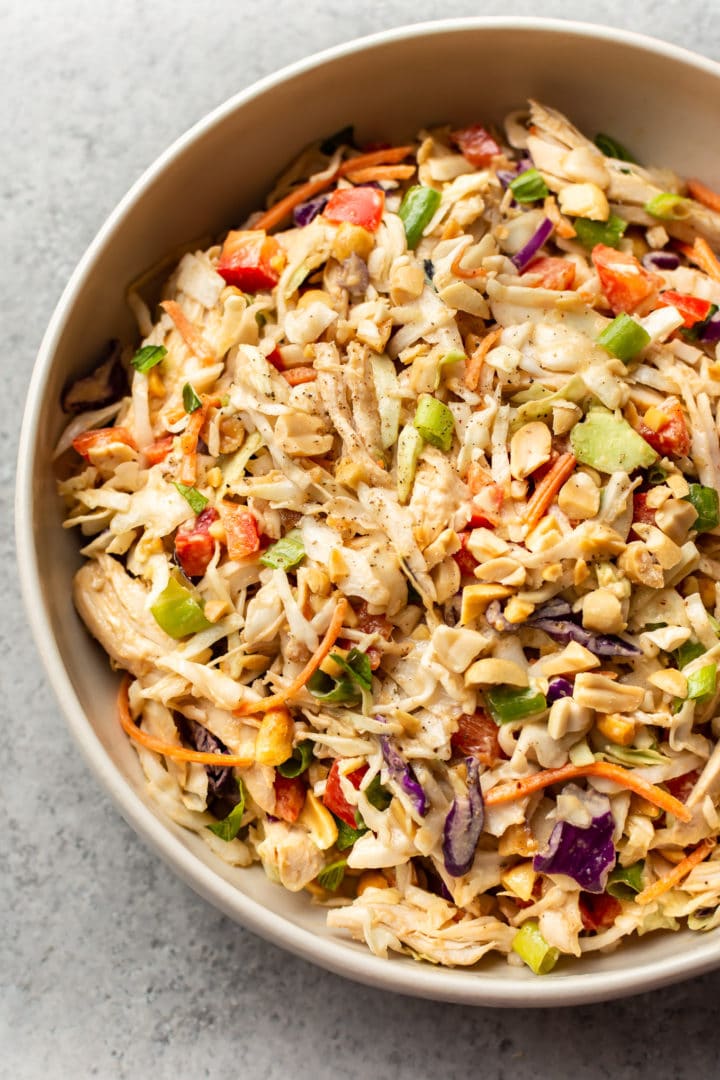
659	101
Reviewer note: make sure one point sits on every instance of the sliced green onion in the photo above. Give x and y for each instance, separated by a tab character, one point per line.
346	835
702	683
508	703
613	149
330	877
333	691
287	553
529	186
609	232
687	652
706	502
532	947
378	795
357	665
178	612
298	762
229	827
624	338
434	421
148	357
197	501
656	475
669	207
416	210
191	401
410	446
625	881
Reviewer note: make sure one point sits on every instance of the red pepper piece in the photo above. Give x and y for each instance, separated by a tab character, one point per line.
334	799
359	205
250	260
289	797
194	546
476	145
626	284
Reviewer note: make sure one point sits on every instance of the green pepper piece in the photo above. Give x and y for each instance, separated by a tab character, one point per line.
624	338
609	232
706	502
417	208
434	421
178	612
702	683
532	947
508	703
529	186
286	553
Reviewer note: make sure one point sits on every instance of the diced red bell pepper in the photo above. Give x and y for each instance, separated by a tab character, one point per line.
99	438
642	513
477	736
289	797
681	786
554	273
692	309
334	799
671	438
358	205
275	358
464	558
598	911
476	145
627	285
241	532
159	450
194	546
250	260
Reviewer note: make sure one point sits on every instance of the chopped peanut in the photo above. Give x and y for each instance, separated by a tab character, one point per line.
670	681
602	611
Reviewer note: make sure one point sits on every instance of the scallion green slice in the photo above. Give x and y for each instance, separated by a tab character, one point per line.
147	357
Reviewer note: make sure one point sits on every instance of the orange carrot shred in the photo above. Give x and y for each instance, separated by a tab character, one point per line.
476	361
190	334
189	440
548	488
158	746
676	875
298	375
381	172
301	194
518	789
464	272
703	194
331	635
703	256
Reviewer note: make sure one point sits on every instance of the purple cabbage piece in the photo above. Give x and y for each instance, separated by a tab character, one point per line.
563	630
711	333
506	176
105	384
308	211
402	774
463	824
556	608
585	855
223	791
536	241
660	260
558	688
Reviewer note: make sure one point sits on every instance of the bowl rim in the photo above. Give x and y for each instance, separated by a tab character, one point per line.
443	984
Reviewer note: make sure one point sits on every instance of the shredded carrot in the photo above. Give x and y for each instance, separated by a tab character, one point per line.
518	789
390	156
703	194
281	209
331	635
296	376
476	361
189	440
703	256
464	272
677	874
563	227
381	172
190	334
177	753
548	488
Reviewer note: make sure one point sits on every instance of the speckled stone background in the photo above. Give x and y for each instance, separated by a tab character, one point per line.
110	966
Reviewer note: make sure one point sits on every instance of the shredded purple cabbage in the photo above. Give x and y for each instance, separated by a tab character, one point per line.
660	260
563	630
528	253
711	332
308	211
402	774
223	793
558	688
556	619
585	855
463	824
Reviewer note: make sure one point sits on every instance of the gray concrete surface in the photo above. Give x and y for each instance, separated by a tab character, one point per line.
109	966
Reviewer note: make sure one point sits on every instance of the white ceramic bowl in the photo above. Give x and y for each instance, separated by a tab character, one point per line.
661	100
